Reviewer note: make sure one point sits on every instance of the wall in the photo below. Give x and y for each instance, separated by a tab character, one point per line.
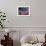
38	13
17	35
37	19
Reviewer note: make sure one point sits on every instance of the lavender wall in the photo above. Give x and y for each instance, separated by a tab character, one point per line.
37	19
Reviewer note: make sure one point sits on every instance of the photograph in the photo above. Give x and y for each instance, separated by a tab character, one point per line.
23	11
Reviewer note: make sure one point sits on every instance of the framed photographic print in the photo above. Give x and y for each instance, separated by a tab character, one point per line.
23	11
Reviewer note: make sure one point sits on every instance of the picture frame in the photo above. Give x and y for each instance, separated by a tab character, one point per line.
23	11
